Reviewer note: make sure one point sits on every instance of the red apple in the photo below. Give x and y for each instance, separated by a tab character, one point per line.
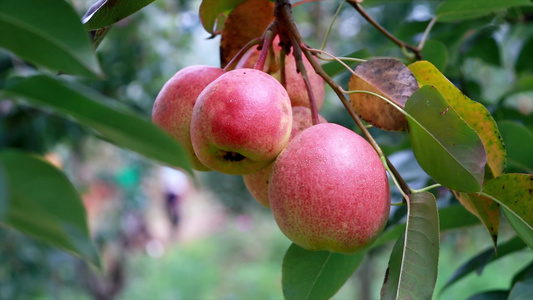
173	106
257	183
241	122
329	190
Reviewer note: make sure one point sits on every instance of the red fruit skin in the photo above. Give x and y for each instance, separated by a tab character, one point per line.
295	85
257	183
245	113
174	104
329	190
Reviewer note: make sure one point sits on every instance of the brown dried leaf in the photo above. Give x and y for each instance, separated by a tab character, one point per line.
247	21
386	77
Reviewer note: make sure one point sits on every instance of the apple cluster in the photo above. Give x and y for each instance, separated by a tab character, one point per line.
326	186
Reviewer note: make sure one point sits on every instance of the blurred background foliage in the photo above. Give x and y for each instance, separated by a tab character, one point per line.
162	238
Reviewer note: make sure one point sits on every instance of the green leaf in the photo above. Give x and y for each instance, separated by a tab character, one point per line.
116	124
210	10
522	290
334	68
38	200
485	209
445	146
435	51
450	217
514	192
473	113
316	274
524	62
490	295
518	141
478	262
522	229
457	10
413	265
48	33
485	48
107	12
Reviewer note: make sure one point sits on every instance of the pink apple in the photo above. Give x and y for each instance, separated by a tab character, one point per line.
257	183
329	190
174	104
241	122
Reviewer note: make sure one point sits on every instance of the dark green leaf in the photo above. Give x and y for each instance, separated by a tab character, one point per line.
413	264
524	61
478	262
518	141
522	290
107	12
485	48
524	231
445	146
333	68
210	10
435	52
39	201
525	273
316	274
451	217
490	295
47	33
116	124
457	10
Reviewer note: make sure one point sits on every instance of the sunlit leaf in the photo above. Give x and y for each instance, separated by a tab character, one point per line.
39	201
246	21
116	124
210	10
107	12
435	51
48	33
473	113
457	10
487	210
316	274
518	141
522	290
445	146
386	77
413	265
333	68
478	262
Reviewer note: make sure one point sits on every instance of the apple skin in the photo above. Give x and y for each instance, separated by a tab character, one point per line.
257	183
174	104
329	190
295	85
241	122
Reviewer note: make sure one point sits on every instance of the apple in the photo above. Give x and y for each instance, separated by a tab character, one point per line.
295	85
174	104
257	183
241	122
329	190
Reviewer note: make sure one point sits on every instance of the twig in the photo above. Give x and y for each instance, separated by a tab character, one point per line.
384	31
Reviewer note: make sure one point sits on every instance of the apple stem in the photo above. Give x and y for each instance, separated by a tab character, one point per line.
267	41
284	14
283	75
238	56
